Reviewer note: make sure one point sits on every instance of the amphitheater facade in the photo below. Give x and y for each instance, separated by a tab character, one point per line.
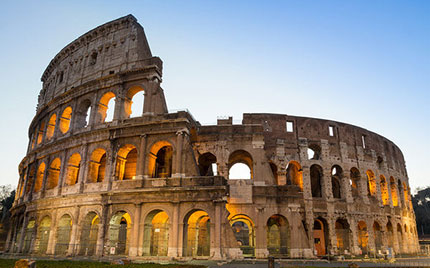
97	182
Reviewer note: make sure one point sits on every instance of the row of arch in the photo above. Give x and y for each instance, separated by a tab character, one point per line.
35	238
87	113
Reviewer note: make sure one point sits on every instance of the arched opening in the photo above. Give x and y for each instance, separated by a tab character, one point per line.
354	182
384	191
50	129
320	236
83	114
314	152
89	233
390	235
39	177
73	167
97	167
243	230
106	108
316	177
196	234
40	132
63	235
43	232
405	193
53	174
65	120
278	235
371	183
336	178
119	233
401	190
126	163
156	234
274	170
31	176
28	236
393	187
342	236
207	165
295	174
363	237
135	100
377	232
160	160
240	165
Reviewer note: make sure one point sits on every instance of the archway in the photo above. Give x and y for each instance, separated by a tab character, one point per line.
295	174
316	177
65	120
243	229
196	234
89	233
160	160
126	162
342	235
400	240
390	235
134	102
43	232
97	167
63	235
50	129
240	165
320	236
384	190
377	232
39	177
207	164
278	235
83	114
28	236
394	197
363	237
73	167
53	174
336	179
156	234
119	233
371	183
354	182
106	107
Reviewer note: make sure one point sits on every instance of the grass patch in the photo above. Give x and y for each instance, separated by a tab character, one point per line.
9	263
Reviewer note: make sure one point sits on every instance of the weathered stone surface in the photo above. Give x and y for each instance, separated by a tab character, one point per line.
160	185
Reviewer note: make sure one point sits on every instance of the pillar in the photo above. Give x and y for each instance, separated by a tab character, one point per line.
178	158
261	251
173	250
74	238
134	241
83	169
140	168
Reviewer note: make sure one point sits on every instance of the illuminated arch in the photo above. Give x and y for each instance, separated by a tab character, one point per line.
73	168
41	132
39	177
384	191
278	235
342	235
295	174
97	167
134	102
105	105
64	229
243	230
363	236
156	233
207	164
65	120
43	232
50	129
119	232
354	181
393	188
89	233
160	160
371	183
126	162
53	174
196	234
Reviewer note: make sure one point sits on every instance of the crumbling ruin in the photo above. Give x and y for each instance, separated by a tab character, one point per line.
160	184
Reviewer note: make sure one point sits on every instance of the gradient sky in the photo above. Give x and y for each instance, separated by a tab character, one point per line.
366	63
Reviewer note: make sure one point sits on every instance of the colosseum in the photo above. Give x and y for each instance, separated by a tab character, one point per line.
99	183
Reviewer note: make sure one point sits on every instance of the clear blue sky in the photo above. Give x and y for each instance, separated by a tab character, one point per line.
362	62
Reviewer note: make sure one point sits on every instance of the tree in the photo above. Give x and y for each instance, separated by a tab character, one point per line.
421	204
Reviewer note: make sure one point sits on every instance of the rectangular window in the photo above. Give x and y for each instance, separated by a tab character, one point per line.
289	126
363	140
331	131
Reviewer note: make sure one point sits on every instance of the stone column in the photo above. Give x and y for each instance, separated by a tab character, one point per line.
63	171
27	178
83	168
134	241
347	187
119	112
140	166
111	161
378	188
52	235
261	251
45	176
21	240
327	190
10	236
216	250
141	232
173	250
74	236
103	225
332	235
354	234
178	158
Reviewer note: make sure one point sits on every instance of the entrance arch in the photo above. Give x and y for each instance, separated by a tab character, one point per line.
278	235
89	234
363	237
342	235
196	234
378	236
63	235
243	229
119	233
156	234
28	236
320	237
43	232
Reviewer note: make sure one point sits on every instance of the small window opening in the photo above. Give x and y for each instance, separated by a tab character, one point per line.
363	140
215	169
93	59
331	131
314	152
111	72
289	126
61	76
